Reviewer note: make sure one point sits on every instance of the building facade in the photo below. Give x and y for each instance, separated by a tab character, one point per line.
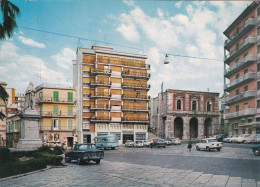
185	114
111	93
3	123
13	129
242	72
56	105
19	101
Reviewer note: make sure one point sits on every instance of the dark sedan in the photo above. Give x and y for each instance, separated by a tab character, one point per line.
158	143
84	153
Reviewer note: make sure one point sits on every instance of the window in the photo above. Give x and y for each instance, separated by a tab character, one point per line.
243	131
258	12
245	88
237	60
55	124
40	109
70	124
245	106
70	97
40	95
258	49
258	103
118	134
243	120
257	119
249	120
55	110
194	105
245	55
237	76
258	85
235	126
140	136
258	31
245	71
209	106
179	105
55	96
70	110
237	108
237	92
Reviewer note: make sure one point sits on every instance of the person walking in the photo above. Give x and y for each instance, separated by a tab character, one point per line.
189	145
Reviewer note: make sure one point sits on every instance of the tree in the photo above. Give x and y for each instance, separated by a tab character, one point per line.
9	14
3	96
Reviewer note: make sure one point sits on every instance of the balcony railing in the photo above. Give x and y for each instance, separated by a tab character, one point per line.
57	114
100	71
61	128
100	95
241	80
135	120
135	74
124	63
100	83
136	85
135	97
242	30
100	107
99	118
240	97
54	100
242	113
240	64
135	108
238	50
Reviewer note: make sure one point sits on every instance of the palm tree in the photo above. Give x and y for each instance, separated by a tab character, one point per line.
3	96
9	13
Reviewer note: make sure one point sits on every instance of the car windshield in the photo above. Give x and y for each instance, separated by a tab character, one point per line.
212	140
84	147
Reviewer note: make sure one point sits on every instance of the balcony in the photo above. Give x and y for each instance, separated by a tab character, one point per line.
240	97
135	120
135	97
115	108
100	107
136	86
100	95
100	119
86	108
55	100
242	113
250	23
100	72
113	119
115	97
123	63
241	80
240	65
100	83
248	42
61	128
136	75
136	108
59	114
85	73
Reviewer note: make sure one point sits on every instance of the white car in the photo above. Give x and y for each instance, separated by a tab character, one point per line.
138	143
129	143
147	143
176	141
233	139
241	138
227	139
209	144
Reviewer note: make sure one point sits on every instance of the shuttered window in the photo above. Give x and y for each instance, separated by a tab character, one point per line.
70	110
70	96
55	96
70	124
55	110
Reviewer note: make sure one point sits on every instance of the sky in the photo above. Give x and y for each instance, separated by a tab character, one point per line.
154	28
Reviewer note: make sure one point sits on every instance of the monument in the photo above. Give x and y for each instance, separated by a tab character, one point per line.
30	122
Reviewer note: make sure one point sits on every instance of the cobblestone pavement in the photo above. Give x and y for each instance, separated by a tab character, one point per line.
172	166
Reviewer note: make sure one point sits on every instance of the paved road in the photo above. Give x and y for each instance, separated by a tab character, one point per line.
172	166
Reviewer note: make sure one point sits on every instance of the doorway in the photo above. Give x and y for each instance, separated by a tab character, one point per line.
69	141
178	128
193	128
86	138
128	137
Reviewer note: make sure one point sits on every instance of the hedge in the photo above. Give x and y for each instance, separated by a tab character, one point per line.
50	159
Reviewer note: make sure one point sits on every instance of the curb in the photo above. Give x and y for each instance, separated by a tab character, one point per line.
28	173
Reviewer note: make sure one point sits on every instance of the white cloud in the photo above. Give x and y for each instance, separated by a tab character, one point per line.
31	42
129	32
64	58
178	5
160	13
128	2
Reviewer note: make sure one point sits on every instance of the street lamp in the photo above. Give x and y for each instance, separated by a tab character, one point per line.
166	60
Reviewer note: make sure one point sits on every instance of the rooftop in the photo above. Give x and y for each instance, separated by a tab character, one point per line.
54	86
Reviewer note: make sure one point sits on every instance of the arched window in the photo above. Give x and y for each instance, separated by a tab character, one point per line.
209	106
194	105
179	105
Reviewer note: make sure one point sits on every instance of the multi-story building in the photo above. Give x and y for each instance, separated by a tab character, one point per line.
185	114
3	122
242	72
19	100
13	129
56	106
111	93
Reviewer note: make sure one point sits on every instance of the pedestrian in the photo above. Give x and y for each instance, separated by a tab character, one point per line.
189	145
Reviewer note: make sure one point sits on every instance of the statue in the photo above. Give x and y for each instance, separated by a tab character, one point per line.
30	97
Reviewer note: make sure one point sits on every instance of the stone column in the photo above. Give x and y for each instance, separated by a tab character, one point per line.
169	132
186	128
201	121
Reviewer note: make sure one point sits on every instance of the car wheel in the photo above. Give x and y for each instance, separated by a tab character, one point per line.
67	160
97	161
197	147
79	161
218	149
256	152
207	148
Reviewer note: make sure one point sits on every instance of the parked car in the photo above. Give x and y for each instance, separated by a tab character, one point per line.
221	137
256	140
138	143
176	141
147	143
158	143
241	138
256	149
250	138
129	143
233	138
209	144
84	153
227	139
168	141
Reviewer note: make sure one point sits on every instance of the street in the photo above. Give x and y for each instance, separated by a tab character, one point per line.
234	165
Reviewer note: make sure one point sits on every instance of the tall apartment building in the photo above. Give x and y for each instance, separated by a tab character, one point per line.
2	123
185	114
111	93
19	100
242	72
56	106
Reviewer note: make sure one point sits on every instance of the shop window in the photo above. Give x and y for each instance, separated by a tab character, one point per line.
140	136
